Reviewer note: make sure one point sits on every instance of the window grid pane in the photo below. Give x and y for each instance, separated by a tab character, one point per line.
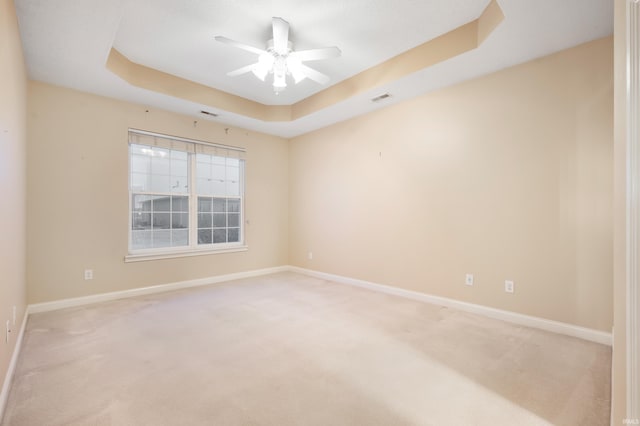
160	219
160	194
218	220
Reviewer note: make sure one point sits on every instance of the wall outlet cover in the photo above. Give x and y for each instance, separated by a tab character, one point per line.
468	280
509	286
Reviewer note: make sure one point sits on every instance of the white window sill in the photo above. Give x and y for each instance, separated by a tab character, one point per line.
143	257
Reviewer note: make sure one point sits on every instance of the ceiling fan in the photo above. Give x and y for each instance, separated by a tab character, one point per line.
281	60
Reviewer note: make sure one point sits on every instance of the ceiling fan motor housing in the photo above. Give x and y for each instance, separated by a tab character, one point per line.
281	60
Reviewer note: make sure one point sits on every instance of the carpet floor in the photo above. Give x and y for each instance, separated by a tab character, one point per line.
287	349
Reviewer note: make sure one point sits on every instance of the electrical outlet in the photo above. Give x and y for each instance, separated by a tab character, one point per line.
6	339
310	255
468	279
14	314
509	286
88	274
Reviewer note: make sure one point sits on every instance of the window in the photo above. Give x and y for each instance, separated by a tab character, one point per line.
185	195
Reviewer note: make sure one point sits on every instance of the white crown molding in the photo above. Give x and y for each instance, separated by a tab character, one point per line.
633	209
512	317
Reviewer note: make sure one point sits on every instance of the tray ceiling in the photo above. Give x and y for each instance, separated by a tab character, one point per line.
68	44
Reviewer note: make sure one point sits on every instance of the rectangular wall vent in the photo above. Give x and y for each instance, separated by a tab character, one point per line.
380	97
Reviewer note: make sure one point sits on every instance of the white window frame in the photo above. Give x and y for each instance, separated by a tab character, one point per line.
193	249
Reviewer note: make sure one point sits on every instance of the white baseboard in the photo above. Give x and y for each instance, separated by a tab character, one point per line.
8	377
525	320
512	317
103	297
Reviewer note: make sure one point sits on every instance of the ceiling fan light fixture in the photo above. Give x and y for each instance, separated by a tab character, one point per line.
281	60
279	74
295	69
263	66
279	82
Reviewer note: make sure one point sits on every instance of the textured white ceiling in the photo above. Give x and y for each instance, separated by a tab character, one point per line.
179	40
67	42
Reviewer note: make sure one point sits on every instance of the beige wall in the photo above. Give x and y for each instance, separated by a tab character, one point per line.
619	373
508	176
13	100
78	196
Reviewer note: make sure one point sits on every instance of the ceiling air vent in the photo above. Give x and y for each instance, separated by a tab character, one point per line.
380	97
212	114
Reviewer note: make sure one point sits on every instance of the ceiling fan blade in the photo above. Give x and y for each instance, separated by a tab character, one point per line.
241	71
317	54
280	36
240	45
314	75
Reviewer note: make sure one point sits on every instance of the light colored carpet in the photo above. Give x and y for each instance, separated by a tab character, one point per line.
287	349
